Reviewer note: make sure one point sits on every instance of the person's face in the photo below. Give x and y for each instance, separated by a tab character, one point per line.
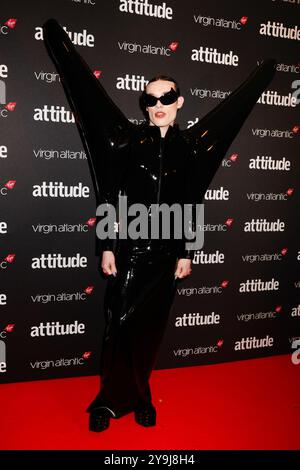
162	115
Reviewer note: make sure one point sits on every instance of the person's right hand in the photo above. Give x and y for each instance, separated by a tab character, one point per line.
108	263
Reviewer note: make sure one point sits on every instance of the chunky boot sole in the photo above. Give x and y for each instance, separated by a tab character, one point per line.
145	417
99	421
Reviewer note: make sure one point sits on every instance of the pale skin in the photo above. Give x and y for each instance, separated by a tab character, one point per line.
162	116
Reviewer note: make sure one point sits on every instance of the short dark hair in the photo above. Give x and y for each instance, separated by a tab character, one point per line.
167	78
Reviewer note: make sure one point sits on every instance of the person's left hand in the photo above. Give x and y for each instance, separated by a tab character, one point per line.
183	268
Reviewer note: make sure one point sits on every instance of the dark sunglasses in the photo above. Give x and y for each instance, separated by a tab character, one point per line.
168	98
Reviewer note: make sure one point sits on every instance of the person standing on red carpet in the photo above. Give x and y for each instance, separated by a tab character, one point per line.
151	164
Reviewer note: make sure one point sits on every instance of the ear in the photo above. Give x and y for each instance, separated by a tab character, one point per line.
180	102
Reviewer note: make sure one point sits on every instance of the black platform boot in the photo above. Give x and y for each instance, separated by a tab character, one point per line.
99	420
145	416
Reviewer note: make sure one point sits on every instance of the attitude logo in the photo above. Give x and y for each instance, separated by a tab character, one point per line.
278	30
58	189
254	343
211	55
217	194
57	329
8	26
262	162
209	258
53	114
143	7
78	39
273	98
197	319
264	225
258	285
58	261
133	82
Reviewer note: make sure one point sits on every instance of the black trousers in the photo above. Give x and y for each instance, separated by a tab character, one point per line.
136	304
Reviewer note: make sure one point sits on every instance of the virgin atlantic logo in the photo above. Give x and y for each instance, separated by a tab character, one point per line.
7	108
8	186
6	27
8	260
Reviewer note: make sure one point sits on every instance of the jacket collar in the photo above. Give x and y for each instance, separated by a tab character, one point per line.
154	131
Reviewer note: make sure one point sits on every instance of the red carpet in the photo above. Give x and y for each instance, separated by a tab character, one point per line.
251	404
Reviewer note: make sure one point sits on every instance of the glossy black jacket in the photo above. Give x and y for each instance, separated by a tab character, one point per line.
155	170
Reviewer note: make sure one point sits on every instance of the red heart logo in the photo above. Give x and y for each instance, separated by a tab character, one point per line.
10	106
296	129
11	23
278	308
284	251
290	191
9	258
224	284
244	19
9	328
220	343
173	46
86	355
89	289
229	222
10	184
233	157
91	222
97	73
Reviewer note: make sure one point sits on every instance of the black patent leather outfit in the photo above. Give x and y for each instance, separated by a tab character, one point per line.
157	172
138	300
136	306
136	161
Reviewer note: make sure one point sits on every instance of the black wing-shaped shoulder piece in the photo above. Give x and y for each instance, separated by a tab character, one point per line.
212	136
103	128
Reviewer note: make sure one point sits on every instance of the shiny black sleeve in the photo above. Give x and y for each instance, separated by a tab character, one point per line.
211	137
104	130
